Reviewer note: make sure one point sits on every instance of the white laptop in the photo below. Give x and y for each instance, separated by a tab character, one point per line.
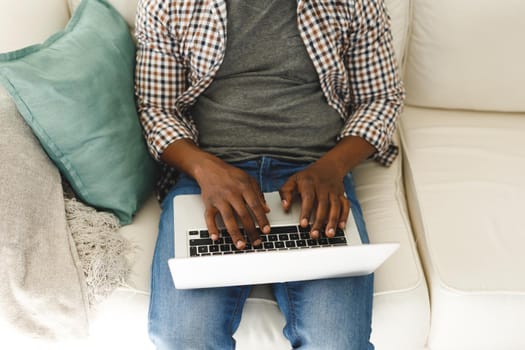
287	253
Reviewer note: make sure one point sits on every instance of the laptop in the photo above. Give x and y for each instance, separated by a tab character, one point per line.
286	254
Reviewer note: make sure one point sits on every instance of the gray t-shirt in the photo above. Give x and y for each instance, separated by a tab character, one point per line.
266	98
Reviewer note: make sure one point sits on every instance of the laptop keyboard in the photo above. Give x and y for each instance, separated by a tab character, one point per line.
280	238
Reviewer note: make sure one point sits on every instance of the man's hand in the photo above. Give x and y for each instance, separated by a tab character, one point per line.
321	189
322	198
226	191
232	193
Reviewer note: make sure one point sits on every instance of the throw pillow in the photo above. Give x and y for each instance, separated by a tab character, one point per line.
76	92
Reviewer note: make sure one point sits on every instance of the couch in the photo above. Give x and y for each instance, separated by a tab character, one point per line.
453	198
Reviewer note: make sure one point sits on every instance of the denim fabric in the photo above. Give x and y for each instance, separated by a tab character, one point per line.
327	314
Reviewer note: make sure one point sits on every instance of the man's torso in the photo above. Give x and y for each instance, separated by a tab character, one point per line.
266	98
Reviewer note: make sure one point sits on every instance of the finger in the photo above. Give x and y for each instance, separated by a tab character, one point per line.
230	221
257	204
307	203
321	215
345	211
334	215
247	222
210	214
287	192
260	196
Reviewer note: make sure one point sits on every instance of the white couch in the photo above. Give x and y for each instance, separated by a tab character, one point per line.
456	189
463	133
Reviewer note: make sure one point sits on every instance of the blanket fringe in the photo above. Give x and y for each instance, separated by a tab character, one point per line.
102	250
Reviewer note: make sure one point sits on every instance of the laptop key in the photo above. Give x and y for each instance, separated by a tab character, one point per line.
279	244
201	241
268	245
304	229
337	240
312	242
283	229
322	241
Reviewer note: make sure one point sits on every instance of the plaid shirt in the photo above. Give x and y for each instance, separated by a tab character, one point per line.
181	45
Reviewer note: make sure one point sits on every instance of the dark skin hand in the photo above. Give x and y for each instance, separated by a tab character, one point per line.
320	186
231	193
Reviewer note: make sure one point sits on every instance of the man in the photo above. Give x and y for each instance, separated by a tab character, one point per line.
238	98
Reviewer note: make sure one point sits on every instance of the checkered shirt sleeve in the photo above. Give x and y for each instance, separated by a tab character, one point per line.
377	92
160	79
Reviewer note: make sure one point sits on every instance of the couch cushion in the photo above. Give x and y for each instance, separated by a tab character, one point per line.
467	55
142	234
28	22
465	172
401	313
76	92
127	8
399	11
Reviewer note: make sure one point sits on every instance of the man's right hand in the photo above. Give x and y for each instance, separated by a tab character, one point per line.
226	191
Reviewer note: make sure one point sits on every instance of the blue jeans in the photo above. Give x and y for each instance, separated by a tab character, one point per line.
329	314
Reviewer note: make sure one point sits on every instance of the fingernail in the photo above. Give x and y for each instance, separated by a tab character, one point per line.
315	234
284	202
304	222
331	232
214	237
239	244
266	229
257	242
342	224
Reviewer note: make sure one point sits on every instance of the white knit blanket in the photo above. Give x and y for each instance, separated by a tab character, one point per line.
58	257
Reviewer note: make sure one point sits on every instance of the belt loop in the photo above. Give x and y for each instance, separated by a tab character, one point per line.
261	172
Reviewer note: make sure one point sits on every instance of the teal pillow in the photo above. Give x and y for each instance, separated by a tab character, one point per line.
76	92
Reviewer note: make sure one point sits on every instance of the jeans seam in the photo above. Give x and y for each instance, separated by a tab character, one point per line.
260	171
238	307
150	310
293	317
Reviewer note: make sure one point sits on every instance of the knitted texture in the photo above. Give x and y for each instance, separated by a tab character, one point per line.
102	250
